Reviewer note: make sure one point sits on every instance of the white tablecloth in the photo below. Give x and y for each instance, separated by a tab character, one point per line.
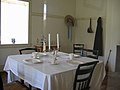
51	77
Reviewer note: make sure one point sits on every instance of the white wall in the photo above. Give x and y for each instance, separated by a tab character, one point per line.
4	52
112	30
109	11
86	9
83	10
57	10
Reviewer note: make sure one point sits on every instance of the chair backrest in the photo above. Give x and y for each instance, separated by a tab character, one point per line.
83	75
77	48
89	53
27	50
1	83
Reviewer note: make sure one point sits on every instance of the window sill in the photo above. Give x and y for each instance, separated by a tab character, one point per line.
15	45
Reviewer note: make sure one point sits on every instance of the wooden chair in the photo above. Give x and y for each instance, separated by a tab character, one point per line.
83	75
15	85
77	48
89	53
27	50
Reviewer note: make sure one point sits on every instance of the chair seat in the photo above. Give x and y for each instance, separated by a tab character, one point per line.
16	85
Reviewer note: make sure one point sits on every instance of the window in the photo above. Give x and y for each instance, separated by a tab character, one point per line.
14	22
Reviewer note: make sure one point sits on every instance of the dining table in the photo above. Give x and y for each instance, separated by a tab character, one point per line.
42	73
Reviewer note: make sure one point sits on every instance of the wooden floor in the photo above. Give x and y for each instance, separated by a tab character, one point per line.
4	77
110	82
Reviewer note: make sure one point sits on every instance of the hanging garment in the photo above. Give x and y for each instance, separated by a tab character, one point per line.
98	42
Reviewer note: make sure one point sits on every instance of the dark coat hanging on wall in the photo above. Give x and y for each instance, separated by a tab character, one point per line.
98	42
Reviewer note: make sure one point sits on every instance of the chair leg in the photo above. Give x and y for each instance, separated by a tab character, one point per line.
38	89
22	81
30	87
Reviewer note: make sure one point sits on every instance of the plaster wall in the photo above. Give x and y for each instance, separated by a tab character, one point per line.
86	9
109	11
56	11
112	31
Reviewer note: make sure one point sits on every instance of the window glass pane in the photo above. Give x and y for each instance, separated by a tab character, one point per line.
14	22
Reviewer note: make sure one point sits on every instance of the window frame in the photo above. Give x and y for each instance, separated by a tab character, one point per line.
29	29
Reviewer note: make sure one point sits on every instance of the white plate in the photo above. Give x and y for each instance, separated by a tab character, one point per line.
76	56
32	61
75	62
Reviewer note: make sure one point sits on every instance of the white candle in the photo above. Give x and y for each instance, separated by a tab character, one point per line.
49	41
57	41
44	46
